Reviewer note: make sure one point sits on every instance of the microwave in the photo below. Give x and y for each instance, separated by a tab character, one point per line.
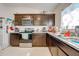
27	22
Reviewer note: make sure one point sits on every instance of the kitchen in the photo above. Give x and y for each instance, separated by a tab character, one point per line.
36	25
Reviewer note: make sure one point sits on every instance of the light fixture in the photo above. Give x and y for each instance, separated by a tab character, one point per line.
38	18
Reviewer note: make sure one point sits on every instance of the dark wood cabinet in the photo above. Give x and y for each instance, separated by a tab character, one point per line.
39	40
68	50
37	19
60	48
18	20
14	39
51	44
50	41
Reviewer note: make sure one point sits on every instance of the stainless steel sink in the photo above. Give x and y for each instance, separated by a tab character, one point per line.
73	39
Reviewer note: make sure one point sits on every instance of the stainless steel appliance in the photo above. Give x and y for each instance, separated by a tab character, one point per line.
27	22
77	29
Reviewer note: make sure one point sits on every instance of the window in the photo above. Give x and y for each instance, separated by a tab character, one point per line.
70	19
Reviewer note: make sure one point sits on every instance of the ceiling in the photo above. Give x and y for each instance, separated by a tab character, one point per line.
42	6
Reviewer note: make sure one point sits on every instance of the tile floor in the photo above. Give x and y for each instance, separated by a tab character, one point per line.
17	51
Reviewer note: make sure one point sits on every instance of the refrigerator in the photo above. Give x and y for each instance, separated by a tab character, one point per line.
4	36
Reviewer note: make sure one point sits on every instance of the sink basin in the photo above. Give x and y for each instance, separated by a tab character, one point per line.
71	39
62	36
75	40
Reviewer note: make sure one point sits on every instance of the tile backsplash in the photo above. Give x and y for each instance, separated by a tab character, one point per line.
35	28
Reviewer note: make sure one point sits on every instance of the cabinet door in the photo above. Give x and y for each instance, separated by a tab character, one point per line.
48	40
61	53
43	40
14	39
37	20
38	40
44	20
18	20
51	44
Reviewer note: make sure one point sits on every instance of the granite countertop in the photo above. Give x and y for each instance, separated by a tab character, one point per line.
68	42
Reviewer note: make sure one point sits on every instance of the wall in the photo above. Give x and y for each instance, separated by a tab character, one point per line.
3	11
59	8
23	10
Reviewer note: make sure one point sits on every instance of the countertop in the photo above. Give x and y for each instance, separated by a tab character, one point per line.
26	32
68	42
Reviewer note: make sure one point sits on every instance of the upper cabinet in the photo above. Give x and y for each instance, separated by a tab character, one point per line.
34	19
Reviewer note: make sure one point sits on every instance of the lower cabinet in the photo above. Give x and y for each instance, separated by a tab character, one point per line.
49	41
14	39
59	48
39	40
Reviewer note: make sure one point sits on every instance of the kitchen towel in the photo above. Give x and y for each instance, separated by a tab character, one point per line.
25	36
